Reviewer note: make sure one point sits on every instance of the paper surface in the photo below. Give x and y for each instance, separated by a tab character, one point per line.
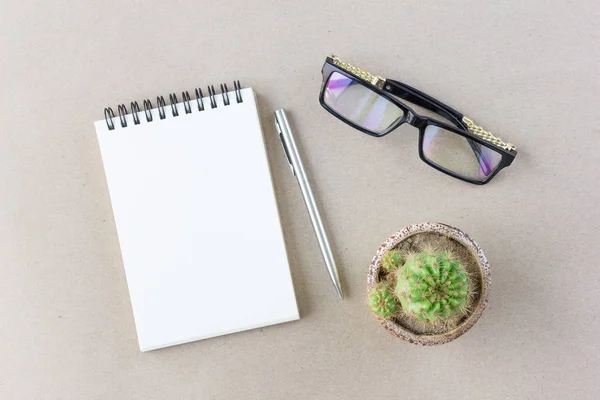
197	222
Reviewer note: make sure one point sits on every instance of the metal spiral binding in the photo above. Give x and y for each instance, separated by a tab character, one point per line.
199	100
147	108
160	104
224	94
174	101
135	109
211	95
185	96
109	114
122	113
238	91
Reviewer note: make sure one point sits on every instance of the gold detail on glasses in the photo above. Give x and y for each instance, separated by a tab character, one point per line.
374	80
485	135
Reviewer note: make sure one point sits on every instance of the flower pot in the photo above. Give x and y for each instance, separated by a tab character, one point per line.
466	251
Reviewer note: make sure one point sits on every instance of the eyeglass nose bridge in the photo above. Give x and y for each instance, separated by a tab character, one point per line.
414	119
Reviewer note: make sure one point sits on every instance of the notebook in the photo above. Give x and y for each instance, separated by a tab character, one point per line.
196	217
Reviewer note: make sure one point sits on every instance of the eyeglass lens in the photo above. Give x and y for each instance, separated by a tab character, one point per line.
360	105
458	154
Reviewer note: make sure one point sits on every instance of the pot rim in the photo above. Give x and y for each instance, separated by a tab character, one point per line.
461	237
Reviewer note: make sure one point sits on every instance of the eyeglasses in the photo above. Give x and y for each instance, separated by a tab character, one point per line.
369	103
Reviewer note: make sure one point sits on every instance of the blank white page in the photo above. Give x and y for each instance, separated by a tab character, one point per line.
197	221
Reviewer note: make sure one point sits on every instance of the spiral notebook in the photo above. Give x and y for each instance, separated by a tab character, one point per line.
195	212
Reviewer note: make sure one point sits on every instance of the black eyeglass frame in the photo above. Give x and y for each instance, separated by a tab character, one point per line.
392	88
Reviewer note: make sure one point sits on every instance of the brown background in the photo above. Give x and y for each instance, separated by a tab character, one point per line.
527	70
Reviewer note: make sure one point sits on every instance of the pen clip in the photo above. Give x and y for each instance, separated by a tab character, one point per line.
284	146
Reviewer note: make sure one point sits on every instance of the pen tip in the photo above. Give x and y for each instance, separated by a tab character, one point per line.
339	292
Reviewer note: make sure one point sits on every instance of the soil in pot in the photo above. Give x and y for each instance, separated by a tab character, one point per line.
438	242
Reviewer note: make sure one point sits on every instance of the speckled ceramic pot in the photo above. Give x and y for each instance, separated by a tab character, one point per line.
452	233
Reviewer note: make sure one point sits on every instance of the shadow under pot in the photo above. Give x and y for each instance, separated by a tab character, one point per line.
428	284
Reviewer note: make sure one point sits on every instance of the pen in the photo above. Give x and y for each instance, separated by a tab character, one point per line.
293	156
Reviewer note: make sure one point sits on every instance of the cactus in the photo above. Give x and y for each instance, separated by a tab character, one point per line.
382	301
432	286
391	260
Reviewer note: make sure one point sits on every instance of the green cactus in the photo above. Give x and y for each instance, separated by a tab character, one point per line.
391	260
382	301
432	286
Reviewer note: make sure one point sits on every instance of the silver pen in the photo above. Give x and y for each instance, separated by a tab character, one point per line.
293	156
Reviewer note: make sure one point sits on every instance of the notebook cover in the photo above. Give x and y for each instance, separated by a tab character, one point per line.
197	221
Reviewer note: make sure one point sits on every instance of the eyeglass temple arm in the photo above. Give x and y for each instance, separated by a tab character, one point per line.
423	100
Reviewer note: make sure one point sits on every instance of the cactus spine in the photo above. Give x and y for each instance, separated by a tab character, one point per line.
382	301
432	286
391	260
